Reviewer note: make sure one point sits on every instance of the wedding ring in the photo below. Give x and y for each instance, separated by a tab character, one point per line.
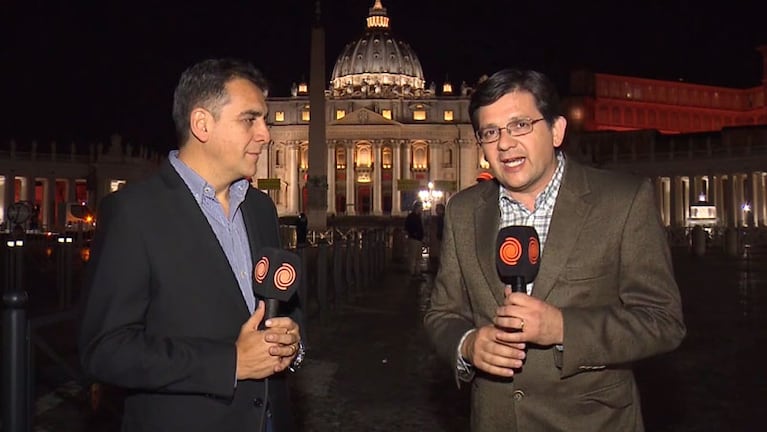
521	325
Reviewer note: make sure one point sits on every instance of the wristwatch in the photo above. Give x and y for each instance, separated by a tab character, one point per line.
296	364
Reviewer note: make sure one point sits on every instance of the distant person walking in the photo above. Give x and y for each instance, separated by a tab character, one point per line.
414	230
436	226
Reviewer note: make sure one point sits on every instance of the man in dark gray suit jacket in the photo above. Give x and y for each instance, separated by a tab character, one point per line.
558	357
170	312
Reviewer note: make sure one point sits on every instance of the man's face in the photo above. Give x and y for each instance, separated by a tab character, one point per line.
523	164
239	133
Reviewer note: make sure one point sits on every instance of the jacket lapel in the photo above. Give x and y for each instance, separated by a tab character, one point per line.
487	217
570	213
188	217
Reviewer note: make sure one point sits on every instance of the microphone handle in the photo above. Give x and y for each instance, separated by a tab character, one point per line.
518	284
271	308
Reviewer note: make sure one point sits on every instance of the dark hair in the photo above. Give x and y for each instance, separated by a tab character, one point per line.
510	80
204	85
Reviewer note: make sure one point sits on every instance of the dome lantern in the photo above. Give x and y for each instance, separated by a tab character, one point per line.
377	65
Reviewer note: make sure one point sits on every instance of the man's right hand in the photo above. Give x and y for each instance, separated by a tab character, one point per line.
253	358
485	352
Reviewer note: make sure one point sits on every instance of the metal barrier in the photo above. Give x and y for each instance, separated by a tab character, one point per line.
340	265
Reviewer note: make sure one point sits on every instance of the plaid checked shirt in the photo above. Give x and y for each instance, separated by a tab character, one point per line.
514	213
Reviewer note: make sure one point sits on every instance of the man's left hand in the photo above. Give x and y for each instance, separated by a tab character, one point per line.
535	320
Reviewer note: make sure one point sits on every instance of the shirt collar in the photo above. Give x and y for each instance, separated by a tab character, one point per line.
551	188
200	188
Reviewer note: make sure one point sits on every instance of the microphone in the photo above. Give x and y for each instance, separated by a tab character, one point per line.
518	258
276	277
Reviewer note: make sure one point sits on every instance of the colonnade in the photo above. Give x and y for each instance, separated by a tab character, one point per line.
740	199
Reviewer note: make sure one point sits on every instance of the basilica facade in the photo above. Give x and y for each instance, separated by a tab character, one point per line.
392	137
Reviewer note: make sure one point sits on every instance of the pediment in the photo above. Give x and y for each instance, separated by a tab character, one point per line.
364	116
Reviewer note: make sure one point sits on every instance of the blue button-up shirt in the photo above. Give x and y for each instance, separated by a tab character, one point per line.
229	229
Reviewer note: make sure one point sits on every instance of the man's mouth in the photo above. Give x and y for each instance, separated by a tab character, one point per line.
513	162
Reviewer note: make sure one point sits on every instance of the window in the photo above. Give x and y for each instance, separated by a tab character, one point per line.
448	115
340	158
386	114
340	114
419	115
279	116
305	115
386	155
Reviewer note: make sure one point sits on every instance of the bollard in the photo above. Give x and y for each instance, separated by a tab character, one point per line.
64	271
698	241
322	279
339	283
16	404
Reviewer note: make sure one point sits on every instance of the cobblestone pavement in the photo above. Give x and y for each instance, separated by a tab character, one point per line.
370	367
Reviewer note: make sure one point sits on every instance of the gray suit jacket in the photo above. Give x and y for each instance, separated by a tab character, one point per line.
605	264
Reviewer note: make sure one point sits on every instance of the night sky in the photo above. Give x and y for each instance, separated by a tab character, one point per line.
83	72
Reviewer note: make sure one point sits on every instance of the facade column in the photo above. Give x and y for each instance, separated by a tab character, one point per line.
27	192
71	190
755	198
761	193
674	201
657	183
735	210
332	179
468	163
351	173
49	204
716	198
435	162
407	164
377	168
291	164
396	174
8	193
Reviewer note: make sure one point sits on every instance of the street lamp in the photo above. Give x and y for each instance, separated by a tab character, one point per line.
430	197
746	207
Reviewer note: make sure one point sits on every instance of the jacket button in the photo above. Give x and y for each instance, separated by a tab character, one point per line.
258	402
518	395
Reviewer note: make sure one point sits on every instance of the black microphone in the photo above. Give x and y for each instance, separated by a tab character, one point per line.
276	277
519	256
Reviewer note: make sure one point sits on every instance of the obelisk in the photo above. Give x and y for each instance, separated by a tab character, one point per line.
317	182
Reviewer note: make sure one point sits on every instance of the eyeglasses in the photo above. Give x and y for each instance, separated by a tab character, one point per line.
517	127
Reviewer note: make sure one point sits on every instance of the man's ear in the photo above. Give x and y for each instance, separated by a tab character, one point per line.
558	131
199	123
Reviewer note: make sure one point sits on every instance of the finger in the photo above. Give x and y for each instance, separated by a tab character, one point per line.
256	317
281	322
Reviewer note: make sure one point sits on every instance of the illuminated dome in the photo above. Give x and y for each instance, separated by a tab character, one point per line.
377	65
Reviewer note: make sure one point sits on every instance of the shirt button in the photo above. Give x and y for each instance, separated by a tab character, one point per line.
518	395
258	402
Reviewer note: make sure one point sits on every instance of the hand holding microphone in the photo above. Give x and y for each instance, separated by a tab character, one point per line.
518	257
276	277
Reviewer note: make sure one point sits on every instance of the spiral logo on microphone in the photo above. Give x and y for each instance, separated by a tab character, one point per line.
533	250
510	251
262	268
284	277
